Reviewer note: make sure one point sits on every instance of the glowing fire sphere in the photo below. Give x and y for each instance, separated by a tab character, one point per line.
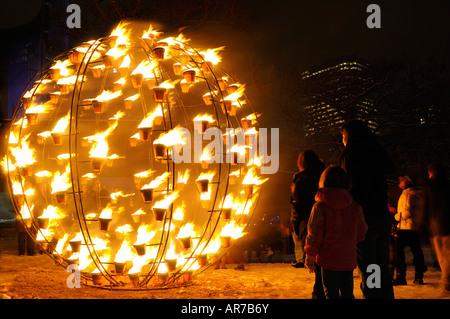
132	157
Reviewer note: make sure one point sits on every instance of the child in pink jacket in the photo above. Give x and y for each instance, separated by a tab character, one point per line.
335	226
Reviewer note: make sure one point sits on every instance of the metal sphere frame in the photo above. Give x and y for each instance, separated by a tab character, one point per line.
209	77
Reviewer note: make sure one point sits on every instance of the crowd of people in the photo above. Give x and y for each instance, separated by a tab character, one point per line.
341	219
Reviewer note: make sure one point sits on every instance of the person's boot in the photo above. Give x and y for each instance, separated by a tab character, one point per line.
418	279
399	281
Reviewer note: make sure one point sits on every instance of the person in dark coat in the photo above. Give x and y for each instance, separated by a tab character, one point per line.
437	216
303	191
367	163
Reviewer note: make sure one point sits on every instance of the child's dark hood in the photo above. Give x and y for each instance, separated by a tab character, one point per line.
336	198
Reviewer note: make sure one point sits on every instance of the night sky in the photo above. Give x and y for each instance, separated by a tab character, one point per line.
313	32
288	35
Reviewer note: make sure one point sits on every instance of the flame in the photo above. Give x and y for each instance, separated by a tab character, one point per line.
230	201
236	94
179	212
213	246
235	173
144	234
44	134
145	68
62	66
144	174
38	109
165	203
150	118
43	235
62	124
211	55
204	117
61	242
121	33
138	263
166	85
61	182
232	230
157	181
171	138
253	117
125	252
25	211
117	116
186	231
209	175
54	214
23	154
183	177
114	196
124	229
19	190
251	178
138	212
133	97
116	53
7	165
107	95
12	139
100	148
106	213
70	80
244	207
150	33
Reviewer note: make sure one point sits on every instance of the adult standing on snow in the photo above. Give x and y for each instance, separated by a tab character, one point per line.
366	164
437	199
409	222
303	190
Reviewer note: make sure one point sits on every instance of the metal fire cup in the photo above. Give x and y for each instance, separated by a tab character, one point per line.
225	241
202	260
97	163
206	67
202	185
26	170
104	223
61	197
98	106
140	249
147	195
119	267
159	213
43	222
160	151
134	279
248	189
75	245
185	242
189	76
159	94
226	213
97	279
145	133
31	118
57	138
246	124
171	264
159	52
55	73
137	80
